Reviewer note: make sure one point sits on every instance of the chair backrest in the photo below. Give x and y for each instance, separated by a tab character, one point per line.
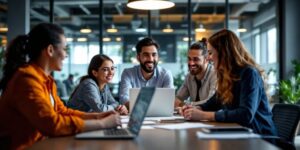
286	118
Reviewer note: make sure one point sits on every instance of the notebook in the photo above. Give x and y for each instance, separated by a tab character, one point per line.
162	104
137	116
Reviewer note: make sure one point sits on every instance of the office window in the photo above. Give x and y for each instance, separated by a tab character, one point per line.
272	42
257	48
80	54
114	51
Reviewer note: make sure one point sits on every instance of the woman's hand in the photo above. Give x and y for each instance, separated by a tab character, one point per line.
183	108
122	110
98	115
192	114
197	114
110	121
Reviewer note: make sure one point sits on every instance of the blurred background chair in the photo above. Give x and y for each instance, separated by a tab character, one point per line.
286	119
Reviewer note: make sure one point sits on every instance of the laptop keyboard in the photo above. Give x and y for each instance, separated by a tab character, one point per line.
116	132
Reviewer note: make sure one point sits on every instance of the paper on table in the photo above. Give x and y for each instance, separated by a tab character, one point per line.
125	121
163	118
143	126
202	135
179	126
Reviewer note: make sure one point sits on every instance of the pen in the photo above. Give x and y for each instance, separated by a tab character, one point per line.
187	101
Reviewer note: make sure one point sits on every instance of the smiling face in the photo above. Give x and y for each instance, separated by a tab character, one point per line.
196	61
148	58
105	72
59	54
213	55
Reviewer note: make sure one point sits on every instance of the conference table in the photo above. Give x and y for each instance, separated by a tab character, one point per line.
157	138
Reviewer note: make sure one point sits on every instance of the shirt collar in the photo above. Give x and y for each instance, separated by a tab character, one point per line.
41	74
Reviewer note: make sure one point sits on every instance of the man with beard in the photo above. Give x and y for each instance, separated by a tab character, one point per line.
199	84
147	74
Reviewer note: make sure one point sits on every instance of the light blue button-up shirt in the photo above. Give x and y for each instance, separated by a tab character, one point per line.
133	78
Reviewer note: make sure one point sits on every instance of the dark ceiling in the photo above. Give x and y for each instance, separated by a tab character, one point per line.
74	14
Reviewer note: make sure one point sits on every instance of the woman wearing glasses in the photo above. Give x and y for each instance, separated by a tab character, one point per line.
93	94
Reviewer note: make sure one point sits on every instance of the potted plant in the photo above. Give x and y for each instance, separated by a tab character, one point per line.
289	90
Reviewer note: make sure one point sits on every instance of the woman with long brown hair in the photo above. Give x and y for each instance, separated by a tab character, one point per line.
240	95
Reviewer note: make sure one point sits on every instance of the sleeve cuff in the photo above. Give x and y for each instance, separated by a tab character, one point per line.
220	116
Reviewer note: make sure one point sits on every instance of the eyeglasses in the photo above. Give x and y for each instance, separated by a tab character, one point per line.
107	69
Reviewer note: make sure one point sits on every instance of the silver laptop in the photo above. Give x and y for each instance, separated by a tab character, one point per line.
162	104
137	116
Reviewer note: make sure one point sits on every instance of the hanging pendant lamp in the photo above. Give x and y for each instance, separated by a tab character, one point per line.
150	4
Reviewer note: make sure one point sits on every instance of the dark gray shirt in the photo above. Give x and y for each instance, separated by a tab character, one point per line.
89	98
189	88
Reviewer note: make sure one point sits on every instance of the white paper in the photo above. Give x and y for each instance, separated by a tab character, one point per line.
163	118
202	135
179	126
145	122
143	126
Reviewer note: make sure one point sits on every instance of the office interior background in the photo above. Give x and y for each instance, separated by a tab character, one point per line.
268	28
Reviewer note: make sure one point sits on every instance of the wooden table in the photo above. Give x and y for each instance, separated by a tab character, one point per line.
154	139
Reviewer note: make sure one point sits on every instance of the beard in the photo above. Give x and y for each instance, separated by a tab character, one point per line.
148	69
195	69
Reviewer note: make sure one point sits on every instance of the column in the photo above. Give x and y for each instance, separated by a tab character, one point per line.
18	18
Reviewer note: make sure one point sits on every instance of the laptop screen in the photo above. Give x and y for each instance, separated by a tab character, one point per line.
162	104
140	109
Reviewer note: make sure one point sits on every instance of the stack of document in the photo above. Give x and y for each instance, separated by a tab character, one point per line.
226	133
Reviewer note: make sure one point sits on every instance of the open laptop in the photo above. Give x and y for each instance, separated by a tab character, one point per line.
135	122
162	104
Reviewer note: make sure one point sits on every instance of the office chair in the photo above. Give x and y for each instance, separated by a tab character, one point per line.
286	119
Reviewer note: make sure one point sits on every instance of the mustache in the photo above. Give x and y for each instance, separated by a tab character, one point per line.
193	66
148	62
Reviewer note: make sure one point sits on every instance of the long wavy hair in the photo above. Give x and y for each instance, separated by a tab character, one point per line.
232	55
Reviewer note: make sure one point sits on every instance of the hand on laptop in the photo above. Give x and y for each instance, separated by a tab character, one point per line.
105	114
122	110
113	120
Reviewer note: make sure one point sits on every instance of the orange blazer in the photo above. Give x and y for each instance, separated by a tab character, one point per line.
27	114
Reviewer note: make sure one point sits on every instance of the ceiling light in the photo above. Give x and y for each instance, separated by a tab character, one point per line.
200	29
82	39
241	27
69	39
106	39
3	29
86	30
150	4
168	29
241	30
112	29
118	39
186	39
